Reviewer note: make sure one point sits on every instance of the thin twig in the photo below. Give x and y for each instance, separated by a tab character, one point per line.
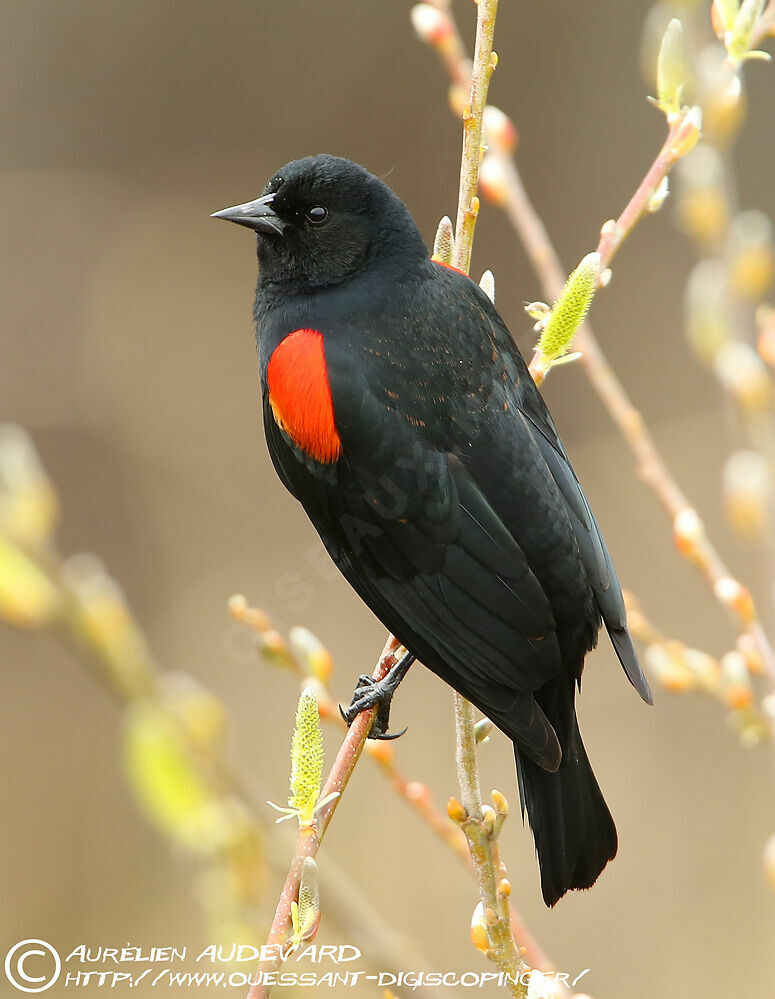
416	794
485	61
310	836
751	397
680	668
680	140
651	466
547	266
503	950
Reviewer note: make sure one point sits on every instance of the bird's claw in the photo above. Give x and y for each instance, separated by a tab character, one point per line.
368	693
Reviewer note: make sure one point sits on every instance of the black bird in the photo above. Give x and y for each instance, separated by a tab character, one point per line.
401	415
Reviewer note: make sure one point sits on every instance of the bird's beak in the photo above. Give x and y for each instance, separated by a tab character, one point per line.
258	215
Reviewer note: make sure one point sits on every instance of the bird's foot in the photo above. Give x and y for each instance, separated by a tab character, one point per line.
370	692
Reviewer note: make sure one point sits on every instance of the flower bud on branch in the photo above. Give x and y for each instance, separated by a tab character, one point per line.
28	598
444	243
670	71
28	501
306	764
568	313
740	38
305	914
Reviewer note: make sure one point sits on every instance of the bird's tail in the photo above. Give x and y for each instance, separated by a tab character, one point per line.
574	833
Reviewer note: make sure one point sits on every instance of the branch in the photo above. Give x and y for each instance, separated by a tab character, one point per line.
680	668
485	61
681	139
309	660
691	539
310	836
493	887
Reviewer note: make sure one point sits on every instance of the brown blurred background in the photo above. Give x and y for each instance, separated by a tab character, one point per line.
128	354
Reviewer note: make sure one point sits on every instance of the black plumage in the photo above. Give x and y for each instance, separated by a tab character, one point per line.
451	506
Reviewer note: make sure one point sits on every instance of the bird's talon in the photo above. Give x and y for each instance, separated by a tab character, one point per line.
386	736
370	692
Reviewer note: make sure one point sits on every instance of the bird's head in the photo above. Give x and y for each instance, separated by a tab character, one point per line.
323	219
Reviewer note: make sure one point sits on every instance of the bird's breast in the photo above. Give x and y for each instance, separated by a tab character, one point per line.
300	395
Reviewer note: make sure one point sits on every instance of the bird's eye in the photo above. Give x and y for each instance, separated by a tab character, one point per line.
317	214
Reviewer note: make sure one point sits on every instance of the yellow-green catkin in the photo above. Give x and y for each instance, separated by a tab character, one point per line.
727	11
570	309
310	652
28	501
670	70
305	914
739	41
444	243
306	757
487	284
167	783
28	598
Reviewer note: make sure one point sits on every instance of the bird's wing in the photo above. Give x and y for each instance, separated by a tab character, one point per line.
442	569
416	537
594	553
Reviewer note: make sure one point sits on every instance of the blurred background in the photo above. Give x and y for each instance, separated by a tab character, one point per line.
128	355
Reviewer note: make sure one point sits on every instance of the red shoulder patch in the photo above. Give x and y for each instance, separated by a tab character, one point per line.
450	267
300	395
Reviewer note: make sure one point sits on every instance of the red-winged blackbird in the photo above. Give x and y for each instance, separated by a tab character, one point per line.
401	415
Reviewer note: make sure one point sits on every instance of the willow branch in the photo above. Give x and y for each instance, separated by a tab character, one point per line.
310	836
728	680
485	61
681	139
740	262
494	888
315	662
502	948
318	667
691	538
